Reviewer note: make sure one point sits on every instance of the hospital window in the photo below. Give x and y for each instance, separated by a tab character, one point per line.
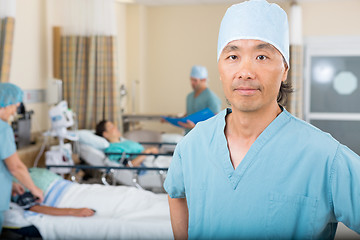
332	87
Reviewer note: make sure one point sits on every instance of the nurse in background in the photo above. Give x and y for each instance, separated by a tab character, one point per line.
202	97
10	163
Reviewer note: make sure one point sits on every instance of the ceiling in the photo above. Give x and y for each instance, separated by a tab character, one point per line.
182	2
193	2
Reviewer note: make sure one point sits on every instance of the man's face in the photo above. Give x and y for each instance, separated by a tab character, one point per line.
197	83
111	131
251	72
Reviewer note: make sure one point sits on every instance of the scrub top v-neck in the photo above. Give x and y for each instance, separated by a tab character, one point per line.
221	151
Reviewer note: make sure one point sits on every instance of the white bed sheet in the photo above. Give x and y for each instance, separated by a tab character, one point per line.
121	213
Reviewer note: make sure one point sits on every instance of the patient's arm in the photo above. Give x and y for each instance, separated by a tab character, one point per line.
136	162
76	212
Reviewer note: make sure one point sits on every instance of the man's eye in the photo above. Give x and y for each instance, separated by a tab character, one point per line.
232	57
261	57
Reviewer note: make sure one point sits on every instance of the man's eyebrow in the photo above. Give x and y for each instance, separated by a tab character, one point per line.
230	48
266	46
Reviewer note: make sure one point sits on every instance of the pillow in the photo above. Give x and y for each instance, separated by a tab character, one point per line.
43	178
171	138
88	137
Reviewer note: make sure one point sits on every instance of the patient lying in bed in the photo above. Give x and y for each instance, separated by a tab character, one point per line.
111	133
121	212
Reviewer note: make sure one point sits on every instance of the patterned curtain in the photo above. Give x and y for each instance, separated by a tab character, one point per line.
6	41
89	74
295	103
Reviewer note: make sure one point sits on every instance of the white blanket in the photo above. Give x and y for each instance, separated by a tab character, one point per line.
121	213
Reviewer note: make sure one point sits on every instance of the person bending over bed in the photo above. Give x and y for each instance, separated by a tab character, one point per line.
28	202
10	163
110	132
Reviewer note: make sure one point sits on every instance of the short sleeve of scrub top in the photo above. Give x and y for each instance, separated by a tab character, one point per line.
345	185
174	184
7	147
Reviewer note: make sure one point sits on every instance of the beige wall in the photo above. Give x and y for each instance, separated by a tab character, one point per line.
29	65
157	47
121	47
331	18
136	39
179	37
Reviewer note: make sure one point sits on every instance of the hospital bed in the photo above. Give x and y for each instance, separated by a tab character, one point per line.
121	213
91	151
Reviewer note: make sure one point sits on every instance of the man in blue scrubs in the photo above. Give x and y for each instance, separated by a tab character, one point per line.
202	97
10	163
255	171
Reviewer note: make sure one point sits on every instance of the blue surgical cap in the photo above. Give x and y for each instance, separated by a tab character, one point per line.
10	94
258	20
198	71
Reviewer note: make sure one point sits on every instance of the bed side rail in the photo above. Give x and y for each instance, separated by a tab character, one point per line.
110	169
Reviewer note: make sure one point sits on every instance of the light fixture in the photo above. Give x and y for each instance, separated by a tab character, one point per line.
323	72
125	1
295	20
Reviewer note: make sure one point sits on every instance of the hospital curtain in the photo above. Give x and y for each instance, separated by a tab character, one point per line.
88	71
296	79
7	24
88	65
295	76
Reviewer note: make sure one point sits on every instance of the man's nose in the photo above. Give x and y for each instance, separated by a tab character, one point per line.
246	69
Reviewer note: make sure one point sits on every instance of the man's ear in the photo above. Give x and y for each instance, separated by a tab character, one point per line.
285	75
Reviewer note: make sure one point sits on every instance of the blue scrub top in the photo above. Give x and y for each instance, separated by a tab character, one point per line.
206	99
7	148
295	182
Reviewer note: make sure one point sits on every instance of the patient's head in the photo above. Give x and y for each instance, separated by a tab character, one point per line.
108	130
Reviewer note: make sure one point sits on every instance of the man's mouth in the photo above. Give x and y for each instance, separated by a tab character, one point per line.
247	91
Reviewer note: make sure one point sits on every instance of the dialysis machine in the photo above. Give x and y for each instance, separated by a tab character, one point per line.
61	118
